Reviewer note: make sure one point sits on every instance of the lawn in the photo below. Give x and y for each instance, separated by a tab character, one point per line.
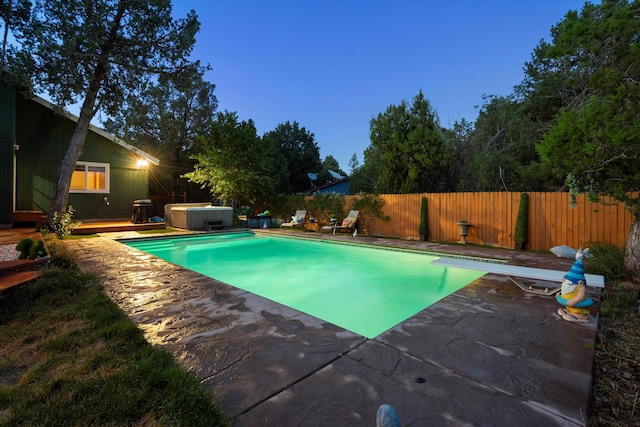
70	356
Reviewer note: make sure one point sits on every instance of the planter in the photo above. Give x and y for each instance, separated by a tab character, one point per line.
464	231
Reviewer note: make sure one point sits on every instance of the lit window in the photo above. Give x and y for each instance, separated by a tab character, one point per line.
90	178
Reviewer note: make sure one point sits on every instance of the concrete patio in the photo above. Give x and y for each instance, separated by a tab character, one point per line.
488	355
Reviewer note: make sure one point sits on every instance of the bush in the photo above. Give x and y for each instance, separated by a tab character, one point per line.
607	260
424	219
62	225
521	234
61	256
322	206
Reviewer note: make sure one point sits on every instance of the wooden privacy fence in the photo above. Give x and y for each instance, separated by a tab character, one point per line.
492	216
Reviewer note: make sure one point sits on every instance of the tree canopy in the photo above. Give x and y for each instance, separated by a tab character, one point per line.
15	16
413	155
96	53
300	154
595	140
235	164
166	118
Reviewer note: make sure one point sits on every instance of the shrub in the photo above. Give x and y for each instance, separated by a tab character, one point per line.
607	260
62	225
37	250
61	256
24	246
424	219
322	205
521	234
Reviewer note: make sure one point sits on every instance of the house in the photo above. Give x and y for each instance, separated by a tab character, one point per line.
34	136
340	186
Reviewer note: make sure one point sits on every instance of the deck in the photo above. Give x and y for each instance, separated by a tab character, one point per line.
111	226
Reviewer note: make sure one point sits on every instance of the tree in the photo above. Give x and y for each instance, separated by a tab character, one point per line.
459	140
15	16
300	152
166	118
329	164
595	141
503	155
234	163
353	163
97	53
414	157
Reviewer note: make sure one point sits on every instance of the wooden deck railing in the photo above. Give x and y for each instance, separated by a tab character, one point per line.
552	221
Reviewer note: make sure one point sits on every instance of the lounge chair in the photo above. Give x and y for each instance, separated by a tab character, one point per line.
348	224
298	220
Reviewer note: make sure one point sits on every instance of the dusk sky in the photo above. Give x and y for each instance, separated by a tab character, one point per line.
333	65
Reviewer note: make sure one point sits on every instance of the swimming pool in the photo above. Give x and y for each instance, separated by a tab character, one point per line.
361	288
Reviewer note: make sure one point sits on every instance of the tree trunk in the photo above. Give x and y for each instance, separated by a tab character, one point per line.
68	164
632	251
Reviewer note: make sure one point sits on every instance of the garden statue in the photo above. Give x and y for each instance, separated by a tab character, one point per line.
573	293
568	252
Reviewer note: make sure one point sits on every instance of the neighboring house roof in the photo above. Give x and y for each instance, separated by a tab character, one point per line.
326	188
151	159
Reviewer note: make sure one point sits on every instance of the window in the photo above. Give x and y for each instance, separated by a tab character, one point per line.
90	178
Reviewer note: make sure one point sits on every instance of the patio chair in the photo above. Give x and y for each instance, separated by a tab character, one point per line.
348	224
297	221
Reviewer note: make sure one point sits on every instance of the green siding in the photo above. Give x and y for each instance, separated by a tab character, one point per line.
43	137
7	139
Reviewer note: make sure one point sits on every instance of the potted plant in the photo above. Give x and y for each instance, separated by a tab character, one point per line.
521	234
423	230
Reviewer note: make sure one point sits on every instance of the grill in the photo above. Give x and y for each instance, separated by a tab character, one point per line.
142	211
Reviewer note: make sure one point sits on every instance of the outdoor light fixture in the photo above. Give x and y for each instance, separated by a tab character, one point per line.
142	163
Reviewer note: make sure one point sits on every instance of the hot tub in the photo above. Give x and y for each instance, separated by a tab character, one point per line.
200	217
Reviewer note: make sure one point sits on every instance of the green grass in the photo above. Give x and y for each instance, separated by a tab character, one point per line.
615	397
616	387
607	260
70	356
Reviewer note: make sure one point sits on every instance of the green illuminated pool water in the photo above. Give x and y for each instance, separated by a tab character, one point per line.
363	289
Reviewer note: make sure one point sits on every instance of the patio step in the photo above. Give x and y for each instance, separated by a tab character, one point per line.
16	279
20	272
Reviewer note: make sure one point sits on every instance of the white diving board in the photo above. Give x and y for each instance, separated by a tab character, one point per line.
513	271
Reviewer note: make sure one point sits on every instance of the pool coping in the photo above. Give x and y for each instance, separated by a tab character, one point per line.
486	355
309	238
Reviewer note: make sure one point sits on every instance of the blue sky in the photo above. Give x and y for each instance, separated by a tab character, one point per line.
333	65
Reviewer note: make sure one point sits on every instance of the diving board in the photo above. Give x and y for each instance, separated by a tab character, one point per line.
513	271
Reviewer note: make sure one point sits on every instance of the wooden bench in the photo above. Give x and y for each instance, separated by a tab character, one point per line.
514	271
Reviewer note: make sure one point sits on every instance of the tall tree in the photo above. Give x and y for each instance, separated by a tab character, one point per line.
165	118
414	156
96	53
459	140
300	152
595	142
353	163
234	163
503	156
